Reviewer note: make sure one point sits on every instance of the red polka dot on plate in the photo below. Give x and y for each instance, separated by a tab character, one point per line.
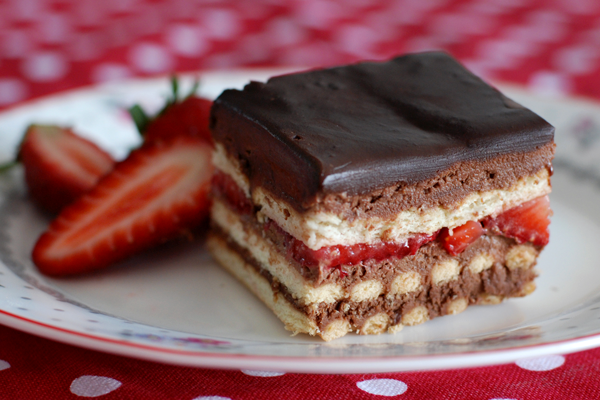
4	365
263	374
383	387
541	363
93	386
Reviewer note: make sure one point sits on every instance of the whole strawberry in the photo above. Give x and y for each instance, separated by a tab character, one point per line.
60	166
179	117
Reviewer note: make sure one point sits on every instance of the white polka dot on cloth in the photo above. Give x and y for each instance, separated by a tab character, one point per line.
108	72
581	7
264	374
93	386
27	10
356	39
576	60
550	83
150	58
186	40
546	363
45	66
318	14
383	387
211	398
284	32
12	90
505	53
4	365
54	28
17	43
220	24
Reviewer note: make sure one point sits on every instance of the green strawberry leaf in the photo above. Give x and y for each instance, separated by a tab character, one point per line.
9	165
140	118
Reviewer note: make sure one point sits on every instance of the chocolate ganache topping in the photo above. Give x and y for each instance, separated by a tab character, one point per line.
358	128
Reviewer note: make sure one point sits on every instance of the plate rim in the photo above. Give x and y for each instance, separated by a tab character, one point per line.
293	364
322	364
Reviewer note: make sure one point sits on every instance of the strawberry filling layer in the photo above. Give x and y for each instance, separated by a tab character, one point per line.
332	256
223	186
527	222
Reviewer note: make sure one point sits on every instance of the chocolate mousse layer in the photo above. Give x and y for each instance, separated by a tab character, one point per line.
371	137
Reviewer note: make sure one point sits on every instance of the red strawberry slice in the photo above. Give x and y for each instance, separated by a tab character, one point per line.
527	222
461	237
60	166
187	118
158	193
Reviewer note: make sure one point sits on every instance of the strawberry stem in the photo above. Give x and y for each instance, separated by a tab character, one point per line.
174	89
140	118
7	166
194	88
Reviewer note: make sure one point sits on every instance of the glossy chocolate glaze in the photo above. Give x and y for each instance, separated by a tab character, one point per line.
364	127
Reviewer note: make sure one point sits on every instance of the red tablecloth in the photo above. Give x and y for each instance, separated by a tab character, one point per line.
52	45
34	368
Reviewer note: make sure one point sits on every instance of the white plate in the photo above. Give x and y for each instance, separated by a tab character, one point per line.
175	305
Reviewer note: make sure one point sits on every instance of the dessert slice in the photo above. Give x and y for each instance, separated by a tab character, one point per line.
376	195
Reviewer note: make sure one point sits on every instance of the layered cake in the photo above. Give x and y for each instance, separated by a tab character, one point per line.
368	197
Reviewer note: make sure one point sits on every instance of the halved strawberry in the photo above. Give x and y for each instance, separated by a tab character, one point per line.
187	117
527	222
60	166
461	237
159	192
